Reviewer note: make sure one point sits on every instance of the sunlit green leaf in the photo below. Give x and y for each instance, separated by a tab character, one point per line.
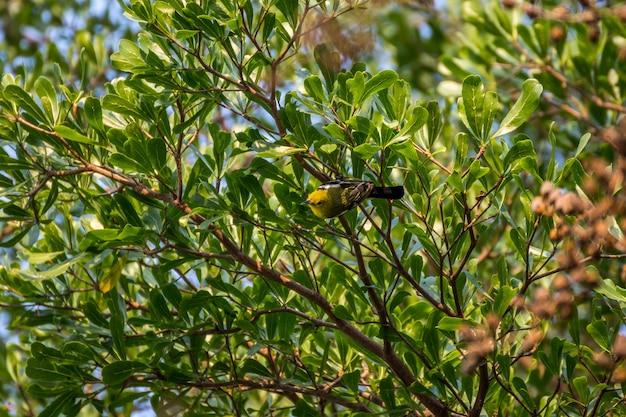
523	107
71	134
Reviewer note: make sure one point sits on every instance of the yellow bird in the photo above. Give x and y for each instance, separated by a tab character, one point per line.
336	197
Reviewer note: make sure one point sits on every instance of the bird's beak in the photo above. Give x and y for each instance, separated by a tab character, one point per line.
307	201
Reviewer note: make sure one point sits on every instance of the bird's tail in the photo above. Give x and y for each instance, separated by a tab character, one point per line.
390	193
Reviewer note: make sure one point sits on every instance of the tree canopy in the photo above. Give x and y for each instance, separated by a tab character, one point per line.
157	257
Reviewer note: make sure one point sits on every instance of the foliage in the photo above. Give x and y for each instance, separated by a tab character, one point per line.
157	253
61	37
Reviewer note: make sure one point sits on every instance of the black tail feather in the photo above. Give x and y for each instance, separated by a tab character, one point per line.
390	193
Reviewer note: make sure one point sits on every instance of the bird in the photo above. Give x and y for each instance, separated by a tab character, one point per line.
334	198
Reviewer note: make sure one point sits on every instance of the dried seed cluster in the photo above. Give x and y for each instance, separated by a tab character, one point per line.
480	342
586	229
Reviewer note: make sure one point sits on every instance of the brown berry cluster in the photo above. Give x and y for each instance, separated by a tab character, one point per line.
587	231
605	221
479	343
561	15
553	200
546	305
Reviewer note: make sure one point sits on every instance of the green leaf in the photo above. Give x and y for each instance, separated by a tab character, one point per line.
117	372
418	118
158	305
39	257
77	353
471	105
364	125
195	303
423	237
156	150
476	172
43	352
16	212
613	292
303	409
553	362
52	197
328	61
93	113
47	390
314	88
388	393
434	121
24	101
48	96
351	380
556	352
16	238
289	9
268	150
366	150
125	163
503	298
451	323
109	281
378	82
252	366
46	370
126	398
522	149
397	299
8	129
455	182
518	242
59	404
172	294
525	105
504	361
269	25
599	331
129	57
419	388
490	107
116	327
582	143
11	164
343	313
70	134
519	386
55	270
582	388
185	34
432	338
122	106
356	86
